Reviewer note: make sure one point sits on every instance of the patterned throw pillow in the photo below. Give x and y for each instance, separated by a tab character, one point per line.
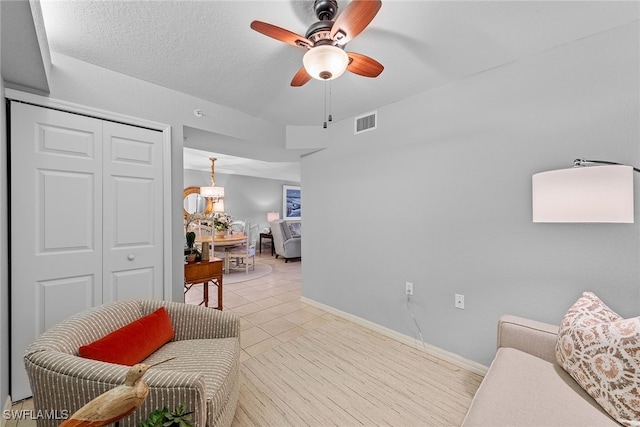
601	351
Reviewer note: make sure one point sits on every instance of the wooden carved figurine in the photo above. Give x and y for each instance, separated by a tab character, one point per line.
116	403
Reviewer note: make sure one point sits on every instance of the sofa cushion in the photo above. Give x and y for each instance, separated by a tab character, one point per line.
600	350
286	233
295	228
133	342
523	390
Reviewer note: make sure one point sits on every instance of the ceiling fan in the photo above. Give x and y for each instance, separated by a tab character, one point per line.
325	40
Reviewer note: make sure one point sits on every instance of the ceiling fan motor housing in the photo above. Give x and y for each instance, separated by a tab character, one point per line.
325	9
320	32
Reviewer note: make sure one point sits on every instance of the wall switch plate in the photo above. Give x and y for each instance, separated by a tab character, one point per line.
459	301
409	288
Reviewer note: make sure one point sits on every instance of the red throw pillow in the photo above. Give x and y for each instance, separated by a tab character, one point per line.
132	343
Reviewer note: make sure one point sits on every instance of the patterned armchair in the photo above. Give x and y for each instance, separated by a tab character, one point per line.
204	376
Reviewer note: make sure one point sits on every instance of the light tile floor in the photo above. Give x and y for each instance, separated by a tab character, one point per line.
270	308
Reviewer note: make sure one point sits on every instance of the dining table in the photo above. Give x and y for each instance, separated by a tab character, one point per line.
225	243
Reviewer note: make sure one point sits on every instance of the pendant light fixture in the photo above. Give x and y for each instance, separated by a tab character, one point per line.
212	191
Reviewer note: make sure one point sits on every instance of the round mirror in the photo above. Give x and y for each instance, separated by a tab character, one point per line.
194	203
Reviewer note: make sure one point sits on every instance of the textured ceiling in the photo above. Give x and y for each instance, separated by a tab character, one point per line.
207	49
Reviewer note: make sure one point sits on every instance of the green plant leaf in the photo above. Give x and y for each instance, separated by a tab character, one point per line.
155	419
163	418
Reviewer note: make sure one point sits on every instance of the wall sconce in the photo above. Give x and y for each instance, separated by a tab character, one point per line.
598	194
216	193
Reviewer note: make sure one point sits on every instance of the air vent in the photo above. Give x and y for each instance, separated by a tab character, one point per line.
366	122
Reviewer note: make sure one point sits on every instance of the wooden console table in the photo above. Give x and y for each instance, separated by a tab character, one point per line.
205	272
266	236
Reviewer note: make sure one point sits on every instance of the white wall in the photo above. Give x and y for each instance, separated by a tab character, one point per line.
4	254
440	195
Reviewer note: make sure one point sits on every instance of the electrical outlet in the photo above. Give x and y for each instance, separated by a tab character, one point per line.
459	301
409	288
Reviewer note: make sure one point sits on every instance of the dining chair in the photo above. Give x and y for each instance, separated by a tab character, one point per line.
238	226
245	255
201	230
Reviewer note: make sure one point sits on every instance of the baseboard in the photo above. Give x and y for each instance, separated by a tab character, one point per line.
432	350
7	407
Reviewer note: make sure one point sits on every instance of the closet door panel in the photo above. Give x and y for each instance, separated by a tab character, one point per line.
132	284
65	227
133	215
52	302
56	224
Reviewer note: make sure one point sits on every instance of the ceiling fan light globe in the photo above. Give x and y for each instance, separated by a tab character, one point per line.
325	62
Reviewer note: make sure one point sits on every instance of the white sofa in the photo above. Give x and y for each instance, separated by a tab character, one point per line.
525	386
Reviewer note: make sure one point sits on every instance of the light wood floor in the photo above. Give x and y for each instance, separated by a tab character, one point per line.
303	366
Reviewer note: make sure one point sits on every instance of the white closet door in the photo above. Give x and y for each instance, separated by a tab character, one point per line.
56	224
133	214
86	220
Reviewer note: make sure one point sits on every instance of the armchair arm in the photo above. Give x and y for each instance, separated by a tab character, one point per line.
196	322
62	377
292	248
530	336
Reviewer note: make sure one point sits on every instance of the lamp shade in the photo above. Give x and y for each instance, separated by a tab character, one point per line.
325	62
218	206
584	194
272	216
212	192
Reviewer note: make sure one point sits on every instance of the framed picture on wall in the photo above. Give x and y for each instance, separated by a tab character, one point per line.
291	202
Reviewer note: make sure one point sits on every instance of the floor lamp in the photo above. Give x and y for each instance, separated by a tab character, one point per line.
584	193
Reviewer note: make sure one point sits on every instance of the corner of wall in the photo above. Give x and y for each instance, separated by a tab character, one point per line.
7	407
4	251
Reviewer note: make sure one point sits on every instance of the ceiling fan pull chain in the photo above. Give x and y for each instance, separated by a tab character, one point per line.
325	105
330	116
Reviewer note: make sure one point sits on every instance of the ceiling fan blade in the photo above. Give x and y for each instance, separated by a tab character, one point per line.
281	34
354	19
364	65
300	78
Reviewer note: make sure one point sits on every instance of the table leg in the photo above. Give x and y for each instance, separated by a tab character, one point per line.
206	293
219	294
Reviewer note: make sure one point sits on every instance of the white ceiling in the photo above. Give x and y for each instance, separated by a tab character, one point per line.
206	48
